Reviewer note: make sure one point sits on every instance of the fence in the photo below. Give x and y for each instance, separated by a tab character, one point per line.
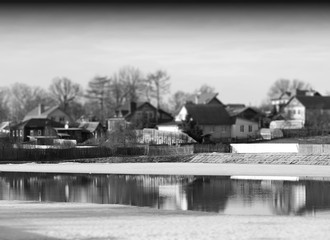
305	132
53	154
204	148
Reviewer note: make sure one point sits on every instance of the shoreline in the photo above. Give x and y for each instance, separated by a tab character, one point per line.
300	172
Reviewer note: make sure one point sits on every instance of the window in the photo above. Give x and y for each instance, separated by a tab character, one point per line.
62	119
21	133
241	128
299	111
39	132
31	133
250	128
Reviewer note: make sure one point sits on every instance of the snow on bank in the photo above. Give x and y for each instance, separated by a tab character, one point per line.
206	169
95	221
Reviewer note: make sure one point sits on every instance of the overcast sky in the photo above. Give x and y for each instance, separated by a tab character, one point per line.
239	50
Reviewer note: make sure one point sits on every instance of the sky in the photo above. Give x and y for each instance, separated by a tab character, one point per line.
240	50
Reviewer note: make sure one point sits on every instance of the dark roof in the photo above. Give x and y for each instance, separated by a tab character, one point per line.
307	93
236	111
209	114
235	105
38	122
139	105
315	102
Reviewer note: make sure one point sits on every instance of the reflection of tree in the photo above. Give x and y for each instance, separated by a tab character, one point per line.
208	194
317	195
289	199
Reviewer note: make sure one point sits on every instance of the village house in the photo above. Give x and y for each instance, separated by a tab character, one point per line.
245	121
33	129
213	119
95	128
312	111
46	112
143	114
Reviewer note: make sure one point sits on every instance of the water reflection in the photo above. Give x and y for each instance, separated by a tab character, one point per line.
213	194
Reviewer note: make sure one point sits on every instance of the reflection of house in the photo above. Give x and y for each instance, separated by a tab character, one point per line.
52	113
213	119
34	128
311	110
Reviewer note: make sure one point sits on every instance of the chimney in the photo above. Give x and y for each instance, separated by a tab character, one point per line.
197	97
41	108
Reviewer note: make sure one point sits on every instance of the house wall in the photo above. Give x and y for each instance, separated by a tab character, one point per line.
217	131
317	118
295	111
59	116
244	128
181	116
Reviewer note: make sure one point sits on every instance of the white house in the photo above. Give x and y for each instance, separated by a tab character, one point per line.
243	128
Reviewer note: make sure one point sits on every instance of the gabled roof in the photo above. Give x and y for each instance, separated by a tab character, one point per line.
314	102
90	126
236	111
34	113
139	105
209	114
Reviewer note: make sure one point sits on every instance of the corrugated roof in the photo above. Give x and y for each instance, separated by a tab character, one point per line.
315	102
209	114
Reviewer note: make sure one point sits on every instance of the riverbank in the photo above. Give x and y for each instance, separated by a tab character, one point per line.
33	220
299	172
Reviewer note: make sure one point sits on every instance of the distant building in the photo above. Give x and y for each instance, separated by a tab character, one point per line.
143	114
311	110
213	119
34	128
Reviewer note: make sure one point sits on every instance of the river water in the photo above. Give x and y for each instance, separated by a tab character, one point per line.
197	193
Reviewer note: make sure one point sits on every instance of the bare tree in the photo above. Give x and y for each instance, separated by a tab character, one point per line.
4	109
160	81
178	99
281	86
99	91
132	82
64	91
205	89
24	98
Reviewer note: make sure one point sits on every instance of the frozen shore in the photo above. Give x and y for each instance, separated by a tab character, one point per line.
26	220
201	169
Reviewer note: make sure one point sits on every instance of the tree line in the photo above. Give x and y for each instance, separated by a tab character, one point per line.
102	97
